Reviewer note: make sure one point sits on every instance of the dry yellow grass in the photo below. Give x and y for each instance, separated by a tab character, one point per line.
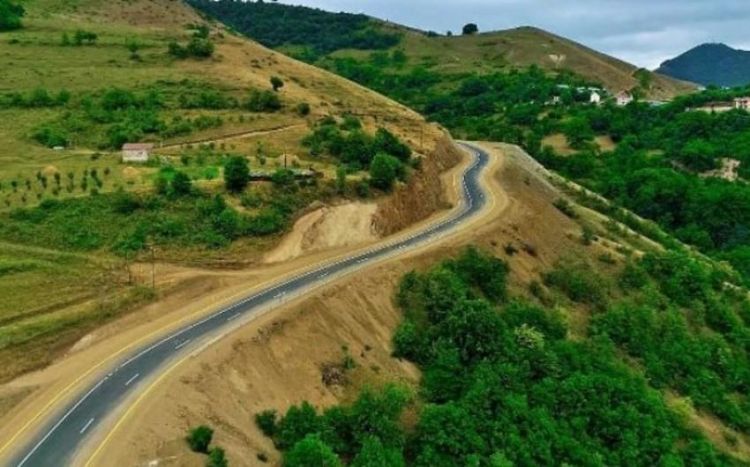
54	298
523	47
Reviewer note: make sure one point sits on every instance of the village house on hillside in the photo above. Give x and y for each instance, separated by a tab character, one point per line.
624	98
136	152
595	98
742	103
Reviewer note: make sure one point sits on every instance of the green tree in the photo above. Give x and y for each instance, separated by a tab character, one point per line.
374	454
384	171
470	29
311	452
236	174
10	15
181	184
277	83
199	438
262	101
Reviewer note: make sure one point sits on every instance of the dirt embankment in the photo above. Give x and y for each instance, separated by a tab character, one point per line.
421	196
325	228
281	359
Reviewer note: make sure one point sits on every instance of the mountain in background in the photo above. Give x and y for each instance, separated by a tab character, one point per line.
710	64
299	31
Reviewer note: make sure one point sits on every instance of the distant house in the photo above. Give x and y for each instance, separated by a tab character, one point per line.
742	103
136	152
595	98
624	98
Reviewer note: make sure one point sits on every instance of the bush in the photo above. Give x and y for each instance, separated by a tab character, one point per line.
266	421
384	171
10	15
199	438
217	458
236	174
277	83
303	109
262	101
51	136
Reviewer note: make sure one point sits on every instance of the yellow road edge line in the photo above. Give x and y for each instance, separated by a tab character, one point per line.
490	207
132	407
163	330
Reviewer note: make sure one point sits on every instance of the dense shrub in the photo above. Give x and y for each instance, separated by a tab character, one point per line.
262	101
10	15
236	174
199	438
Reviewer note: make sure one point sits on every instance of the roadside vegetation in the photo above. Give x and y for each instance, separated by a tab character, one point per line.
505	383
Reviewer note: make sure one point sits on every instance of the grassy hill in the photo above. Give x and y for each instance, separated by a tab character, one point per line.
77	80
526	46
292	29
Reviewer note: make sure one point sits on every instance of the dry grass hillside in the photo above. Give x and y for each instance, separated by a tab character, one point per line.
526	46
289	356
54	295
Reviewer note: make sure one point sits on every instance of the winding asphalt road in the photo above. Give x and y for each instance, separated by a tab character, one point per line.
66	432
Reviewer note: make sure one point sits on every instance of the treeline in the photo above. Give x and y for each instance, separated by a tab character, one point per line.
114	116
177	214
385	156
318	31
656	170
502	384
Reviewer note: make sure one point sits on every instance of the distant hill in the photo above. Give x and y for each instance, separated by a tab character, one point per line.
526	46
296	30
710	64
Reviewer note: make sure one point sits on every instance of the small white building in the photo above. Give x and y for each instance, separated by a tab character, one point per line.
742	103
136	152
595	98
624	98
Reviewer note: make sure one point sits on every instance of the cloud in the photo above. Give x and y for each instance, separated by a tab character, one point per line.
644	32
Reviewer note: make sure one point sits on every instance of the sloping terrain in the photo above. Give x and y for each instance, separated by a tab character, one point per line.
527	46
279	26
710	64
77	80
300	353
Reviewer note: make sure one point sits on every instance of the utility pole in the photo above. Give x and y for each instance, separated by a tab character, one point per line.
153	267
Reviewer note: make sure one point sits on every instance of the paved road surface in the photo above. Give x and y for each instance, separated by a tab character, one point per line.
57	443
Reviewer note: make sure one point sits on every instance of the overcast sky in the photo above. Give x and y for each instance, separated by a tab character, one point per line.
643	32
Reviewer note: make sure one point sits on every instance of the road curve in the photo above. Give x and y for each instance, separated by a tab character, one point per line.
57	442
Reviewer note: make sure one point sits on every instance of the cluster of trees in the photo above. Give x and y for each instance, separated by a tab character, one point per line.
301	26
10	15
177	214
91	180
125	115
501	385
199	439
383	154
655	170
199	46
34	99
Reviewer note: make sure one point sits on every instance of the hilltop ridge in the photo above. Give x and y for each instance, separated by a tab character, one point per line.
710	64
